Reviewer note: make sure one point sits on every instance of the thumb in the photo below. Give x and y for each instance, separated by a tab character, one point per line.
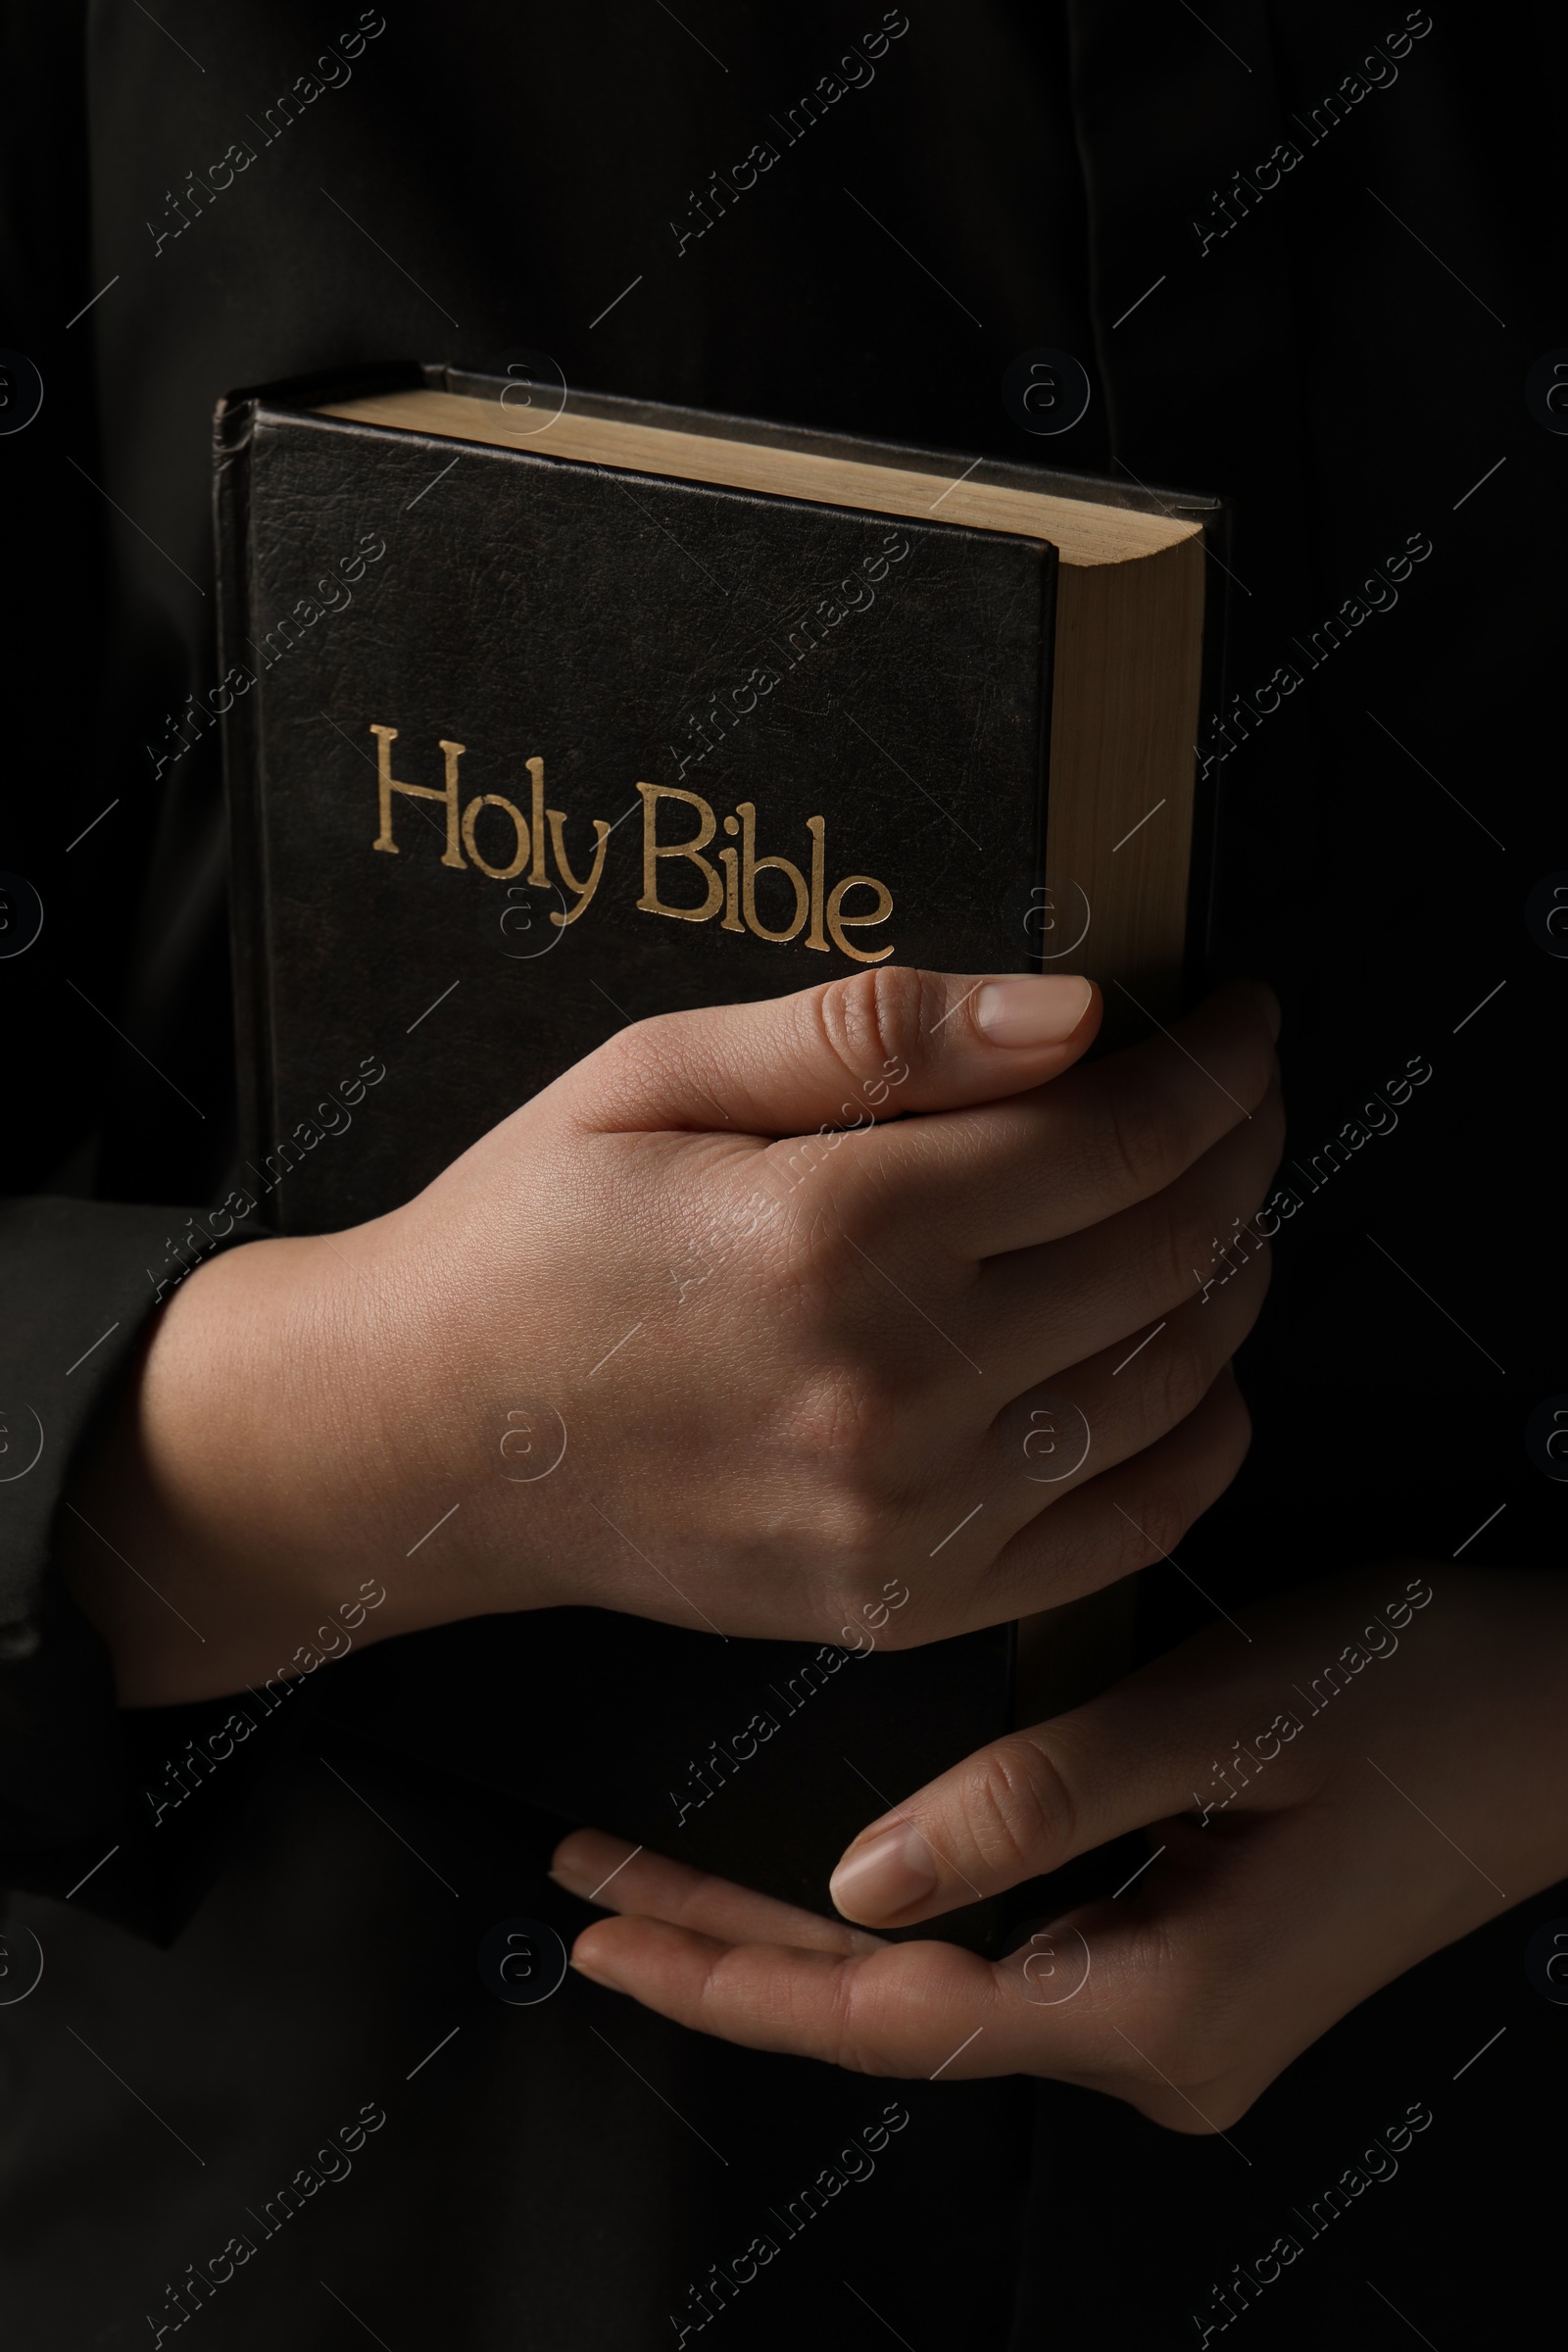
1031	1802
879	1043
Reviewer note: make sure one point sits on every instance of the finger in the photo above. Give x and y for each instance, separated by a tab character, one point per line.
1125	1519
1037	1310
914	2010
600	1869
1026	1805
875	1046
1128	1517
1120	1999
1102	1137
1150	1976
1060	1433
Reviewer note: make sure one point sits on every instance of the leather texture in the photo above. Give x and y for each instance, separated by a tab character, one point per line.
527	608
532	607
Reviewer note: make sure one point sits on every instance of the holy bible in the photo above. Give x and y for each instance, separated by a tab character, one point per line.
544	716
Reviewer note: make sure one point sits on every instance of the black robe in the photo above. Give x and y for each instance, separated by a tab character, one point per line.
1293	248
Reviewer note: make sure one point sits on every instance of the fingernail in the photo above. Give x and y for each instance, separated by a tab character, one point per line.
597	1974
886	1875
572	1880
1037	1009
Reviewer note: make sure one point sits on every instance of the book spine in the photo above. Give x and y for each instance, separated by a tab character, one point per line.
243	779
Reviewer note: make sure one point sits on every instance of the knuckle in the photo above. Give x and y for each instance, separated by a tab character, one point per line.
1163	1514
1016	1805
1177	1490
834	1276
875	1018
856	2031
847	1416
839	1444
817	1254
844	1526
642	1048
1177	1245
1141	1141
1176	1384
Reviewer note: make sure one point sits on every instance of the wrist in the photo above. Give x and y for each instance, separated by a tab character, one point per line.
237	1498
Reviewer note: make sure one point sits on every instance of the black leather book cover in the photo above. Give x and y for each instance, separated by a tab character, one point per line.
520	750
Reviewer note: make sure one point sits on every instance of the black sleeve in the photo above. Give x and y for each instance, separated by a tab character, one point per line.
120	1072
96	1804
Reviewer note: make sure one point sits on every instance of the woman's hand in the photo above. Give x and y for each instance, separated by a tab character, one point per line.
748	1310
1373	1769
